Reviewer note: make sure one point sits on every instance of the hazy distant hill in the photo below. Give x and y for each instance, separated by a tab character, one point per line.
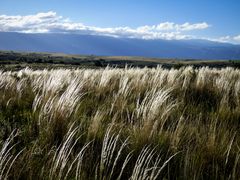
109	46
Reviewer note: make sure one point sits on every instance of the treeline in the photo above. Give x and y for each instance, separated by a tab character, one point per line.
46	59
7	58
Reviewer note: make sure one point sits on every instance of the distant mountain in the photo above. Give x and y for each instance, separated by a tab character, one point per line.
110	46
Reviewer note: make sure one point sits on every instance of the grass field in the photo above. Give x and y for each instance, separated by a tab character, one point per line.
11	60
112	123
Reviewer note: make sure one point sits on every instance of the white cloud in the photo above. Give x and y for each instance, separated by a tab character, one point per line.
182	27
189	27
170	26
50	22
224	39
227	39
237	38
166	26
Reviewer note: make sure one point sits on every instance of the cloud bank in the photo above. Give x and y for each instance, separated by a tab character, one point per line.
227	39
50	22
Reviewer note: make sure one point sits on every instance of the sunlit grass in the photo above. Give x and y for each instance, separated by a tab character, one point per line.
120	124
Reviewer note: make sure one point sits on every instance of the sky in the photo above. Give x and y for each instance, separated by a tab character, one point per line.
145	19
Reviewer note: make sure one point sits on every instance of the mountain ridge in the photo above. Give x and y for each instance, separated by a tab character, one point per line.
111	46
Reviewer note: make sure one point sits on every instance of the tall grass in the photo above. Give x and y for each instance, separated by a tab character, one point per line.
120	124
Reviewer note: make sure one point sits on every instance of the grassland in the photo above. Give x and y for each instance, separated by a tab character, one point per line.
10	60
112	123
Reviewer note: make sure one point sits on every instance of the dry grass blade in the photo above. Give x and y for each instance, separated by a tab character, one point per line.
111	154
6	158
61	158
147	167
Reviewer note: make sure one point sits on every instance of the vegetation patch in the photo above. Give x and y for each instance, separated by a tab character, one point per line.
120	123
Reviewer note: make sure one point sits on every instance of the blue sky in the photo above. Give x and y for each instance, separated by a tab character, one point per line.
209	19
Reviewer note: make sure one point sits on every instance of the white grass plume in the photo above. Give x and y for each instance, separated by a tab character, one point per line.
6	158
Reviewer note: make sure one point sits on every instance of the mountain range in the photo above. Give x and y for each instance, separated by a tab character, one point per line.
111	46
